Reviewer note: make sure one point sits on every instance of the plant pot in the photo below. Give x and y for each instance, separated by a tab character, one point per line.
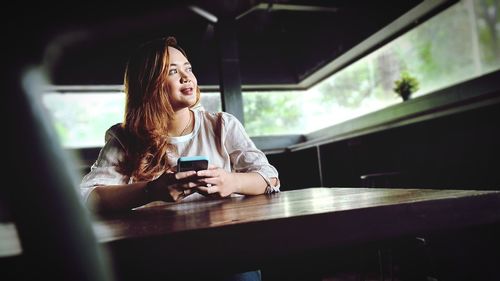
405	96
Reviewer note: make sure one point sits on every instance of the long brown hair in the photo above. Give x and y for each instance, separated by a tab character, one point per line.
148	111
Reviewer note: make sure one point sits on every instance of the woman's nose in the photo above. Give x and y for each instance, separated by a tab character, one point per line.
184	78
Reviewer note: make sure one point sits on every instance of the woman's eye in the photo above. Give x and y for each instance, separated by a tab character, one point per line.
189	69
172	71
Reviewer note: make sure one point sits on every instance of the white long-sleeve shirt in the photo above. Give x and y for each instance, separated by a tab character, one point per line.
219	136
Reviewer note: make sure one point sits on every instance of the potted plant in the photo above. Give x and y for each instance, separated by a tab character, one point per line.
405	86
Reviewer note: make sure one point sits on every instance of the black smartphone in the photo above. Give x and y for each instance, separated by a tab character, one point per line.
192	163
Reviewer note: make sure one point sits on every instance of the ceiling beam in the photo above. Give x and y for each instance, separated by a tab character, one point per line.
286	7
204	14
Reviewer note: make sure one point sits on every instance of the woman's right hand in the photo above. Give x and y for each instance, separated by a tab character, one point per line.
172	187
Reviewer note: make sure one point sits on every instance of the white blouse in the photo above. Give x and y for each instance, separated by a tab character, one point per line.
219	136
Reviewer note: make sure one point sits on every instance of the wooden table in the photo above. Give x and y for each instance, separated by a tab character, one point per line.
251	231
243	233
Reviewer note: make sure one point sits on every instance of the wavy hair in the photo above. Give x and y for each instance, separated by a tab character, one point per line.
148	111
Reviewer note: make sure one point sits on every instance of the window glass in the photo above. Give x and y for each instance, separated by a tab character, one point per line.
81	119
458	44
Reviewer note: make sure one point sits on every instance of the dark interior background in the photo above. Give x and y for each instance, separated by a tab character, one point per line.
278	42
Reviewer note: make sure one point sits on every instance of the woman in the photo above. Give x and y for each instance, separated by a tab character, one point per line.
137	164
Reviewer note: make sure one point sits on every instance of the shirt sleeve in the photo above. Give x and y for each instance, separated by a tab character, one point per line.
104	171
244	155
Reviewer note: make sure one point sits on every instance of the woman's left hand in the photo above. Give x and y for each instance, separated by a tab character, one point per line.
216	182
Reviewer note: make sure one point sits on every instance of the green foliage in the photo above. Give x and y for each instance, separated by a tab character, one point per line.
350	87
406	85
271	113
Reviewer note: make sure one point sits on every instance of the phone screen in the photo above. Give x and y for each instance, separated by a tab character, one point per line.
192	163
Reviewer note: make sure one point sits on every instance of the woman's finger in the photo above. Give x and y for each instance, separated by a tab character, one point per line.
186	192
208	173
183	175
208	189
186	188
207	181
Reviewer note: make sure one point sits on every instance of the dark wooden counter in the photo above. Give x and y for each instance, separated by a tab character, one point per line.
251	231
243	233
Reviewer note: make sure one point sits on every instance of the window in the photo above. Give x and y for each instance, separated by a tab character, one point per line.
457	44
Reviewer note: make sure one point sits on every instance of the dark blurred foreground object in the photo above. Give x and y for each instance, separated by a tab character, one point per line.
54	228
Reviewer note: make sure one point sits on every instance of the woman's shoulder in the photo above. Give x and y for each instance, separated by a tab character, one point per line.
115	131
217	115
218	118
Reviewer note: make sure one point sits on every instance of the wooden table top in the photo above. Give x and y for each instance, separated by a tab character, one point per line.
170	218
257	229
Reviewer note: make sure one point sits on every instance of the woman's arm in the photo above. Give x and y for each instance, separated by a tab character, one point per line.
122	197
219	181
169	187
251	171
251	183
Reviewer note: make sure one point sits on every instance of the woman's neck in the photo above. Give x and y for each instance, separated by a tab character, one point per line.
181	124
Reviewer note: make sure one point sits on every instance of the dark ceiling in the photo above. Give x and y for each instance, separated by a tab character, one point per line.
279	42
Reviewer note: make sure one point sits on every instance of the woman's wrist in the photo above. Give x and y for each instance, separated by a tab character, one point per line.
149	190
157	189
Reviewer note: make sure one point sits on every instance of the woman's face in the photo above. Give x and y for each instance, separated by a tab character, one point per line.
181	82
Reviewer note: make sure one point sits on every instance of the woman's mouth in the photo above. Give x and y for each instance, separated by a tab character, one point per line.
187	91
